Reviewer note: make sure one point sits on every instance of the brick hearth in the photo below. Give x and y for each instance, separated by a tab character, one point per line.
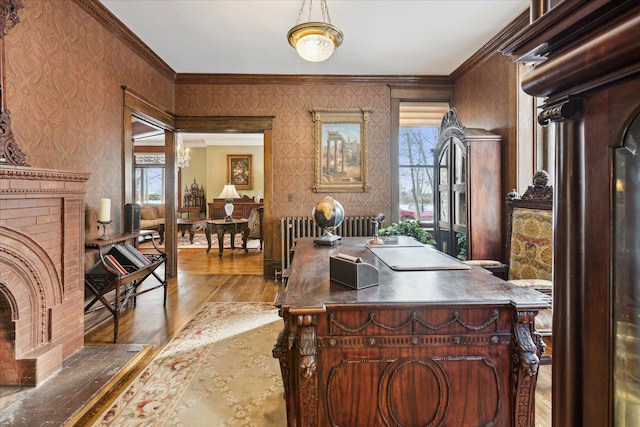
41	271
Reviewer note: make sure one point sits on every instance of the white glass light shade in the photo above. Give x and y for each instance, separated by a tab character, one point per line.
315	41
315	47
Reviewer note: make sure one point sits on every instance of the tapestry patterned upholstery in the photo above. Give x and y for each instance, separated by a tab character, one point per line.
255	225
531	254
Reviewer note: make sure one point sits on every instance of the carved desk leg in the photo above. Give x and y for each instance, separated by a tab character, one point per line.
281	351
526	363
307	376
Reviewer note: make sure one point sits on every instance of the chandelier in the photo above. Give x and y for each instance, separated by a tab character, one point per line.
183	153
315	41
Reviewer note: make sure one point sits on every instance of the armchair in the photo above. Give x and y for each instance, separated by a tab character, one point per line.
256	229
529	243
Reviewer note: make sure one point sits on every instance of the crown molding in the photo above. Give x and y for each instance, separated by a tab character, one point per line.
121	32
195	78
493	46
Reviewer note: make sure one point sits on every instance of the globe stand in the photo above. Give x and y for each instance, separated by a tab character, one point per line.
328	240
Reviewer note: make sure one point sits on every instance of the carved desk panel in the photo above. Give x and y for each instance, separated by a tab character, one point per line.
450	347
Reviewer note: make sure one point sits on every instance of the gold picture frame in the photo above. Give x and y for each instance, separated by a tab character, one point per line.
239	171
341	150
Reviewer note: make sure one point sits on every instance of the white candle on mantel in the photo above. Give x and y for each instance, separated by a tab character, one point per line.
105	210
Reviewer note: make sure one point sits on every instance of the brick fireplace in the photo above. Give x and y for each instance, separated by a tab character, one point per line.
41	271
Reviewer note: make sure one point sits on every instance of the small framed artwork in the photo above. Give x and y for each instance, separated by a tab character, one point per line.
341	150
239	171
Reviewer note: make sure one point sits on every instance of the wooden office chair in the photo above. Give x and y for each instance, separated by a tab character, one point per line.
529	244
256	229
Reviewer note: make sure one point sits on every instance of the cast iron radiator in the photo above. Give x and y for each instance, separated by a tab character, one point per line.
292	228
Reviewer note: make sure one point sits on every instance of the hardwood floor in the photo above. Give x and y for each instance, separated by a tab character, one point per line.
201	278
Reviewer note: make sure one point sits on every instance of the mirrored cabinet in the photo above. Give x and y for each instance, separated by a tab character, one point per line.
468	201
626	280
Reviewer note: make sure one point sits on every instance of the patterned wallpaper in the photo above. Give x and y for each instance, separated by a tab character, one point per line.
293	144
64	74
64	77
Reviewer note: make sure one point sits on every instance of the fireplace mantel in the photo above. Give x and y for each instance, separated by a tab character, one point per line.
41	271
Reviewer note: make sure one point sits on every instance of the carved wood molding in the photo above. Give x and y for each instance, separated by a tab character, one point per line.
9	15
43	175
566	109
412	323
10	152
579	47
307	366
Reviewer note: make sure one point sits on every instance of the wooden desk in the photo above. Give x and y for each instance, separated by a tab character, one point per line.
445	347
220	226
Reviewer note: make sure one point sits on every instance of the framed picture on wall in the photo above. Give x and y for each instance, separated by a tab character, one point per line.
239	171
340	150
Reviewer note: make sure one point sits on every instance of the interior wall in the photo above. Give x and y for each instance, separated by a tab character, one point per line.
64	73
293	147
216	156
485	98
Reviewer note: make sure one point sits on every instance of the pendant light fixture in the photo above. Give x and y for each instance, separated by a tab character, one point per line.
315	41
183	153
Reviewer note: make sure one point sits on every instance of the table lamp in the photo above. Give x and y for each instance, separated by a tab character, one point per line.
229	193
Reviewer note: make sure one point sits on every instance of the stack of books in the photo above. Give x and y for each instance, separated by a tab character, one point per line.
127	258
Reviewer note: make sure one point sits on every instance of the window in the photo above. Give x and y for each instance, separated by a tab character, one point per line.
418	137
149	178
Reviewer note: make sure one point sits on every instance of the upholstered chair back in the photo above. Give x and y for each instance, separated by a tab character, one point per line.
255	224
530	235
531	253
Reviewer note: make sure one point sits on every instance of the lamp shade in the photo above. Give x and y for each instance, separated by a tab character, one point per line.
315	41
229	192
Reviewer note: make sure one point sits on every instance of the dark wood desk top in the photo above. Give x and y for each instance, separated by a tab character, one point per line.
310	289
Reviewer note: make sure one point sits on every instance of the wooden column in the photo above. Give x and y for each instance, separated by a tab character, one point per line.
568	277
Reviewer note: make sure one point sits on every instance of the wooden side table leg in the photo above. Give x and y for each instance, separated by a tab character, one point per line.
207	233
245	238
220	242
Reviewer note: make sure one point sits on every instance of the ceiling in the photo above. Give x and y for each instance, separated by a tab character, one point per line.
381	37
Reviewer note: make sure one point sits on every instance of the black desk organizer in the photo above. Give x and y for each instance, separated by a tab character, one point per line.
102	279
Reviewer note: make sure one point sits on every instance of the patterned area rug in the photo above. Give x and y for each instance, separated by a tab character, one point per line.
200	242
218	371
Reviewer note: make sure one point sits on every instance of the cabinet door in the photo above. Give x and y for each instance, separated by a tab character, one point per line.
626	280
452	196
443	217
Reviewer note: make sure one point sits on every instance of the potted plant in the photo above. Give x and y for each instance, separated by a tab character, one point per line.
409	228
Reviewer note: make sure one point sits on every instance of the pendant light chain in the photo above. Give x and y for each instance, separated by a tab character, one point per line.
326	18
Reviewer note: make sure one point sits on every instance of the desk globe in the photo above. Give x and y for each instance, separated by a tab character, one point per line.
328	214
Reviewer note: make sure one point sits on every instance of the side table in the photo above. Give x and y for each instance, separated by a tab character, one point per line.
190	225
220	227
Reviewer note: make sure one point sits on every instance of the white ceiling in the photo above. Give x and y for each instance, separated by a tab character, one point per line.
381	37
